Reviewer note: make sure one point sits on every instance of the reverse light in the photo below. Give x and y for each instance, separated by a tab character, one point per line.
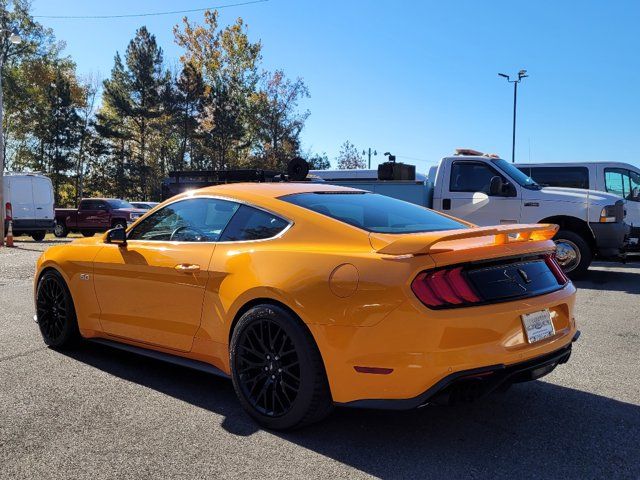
444	288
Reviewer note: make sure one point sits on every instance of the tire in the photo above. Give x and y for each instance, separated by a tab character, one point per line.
56	313
573	253
87	233
39	235
119	223
60	230
277	370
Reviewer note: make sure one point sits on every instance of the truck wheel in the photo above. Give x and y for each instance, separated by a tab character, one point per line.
39	235
60	230
573	253
87	233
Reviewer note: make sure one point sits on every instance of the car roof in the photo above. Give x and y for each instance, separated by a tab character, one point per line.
271	189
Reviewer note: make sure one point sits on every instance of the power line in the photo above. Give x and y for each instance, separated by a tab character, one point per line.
149	14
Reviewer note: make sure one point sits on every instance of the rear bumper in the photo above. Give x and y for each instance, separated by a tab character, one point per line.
418	347
611	238
30	225
468	385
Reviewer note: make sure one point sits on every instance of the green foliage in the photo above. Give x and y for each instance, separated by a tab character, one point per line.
217	111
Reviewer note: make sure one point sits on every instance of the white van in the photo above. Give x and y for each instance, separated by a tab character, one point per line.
619	178
30	197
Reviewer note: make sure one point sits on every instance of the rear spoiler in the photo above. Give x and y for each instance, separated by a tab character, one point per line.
422	243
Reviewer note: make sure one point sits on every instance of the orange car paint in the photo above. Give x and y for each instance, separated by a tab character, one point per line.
356	302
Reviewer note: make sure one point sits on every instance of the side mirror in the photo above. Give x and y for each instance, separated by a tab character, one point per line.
496	186
117	236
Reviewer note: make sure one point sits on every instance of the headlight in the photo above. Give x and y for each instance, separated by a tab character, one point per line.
613	213
608	214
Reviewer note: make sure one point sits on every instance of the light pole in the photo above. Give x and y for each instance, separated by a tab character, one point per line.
521	74
374	153
13	37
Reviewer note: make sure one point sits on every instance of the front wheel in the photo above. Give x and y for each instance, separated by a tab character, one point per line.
87	233
60	230
573	253
55	310
39	235
277	370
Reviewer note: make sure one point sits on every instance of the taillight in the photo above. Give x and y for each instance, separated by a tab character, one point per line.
556	269
444	288
8	212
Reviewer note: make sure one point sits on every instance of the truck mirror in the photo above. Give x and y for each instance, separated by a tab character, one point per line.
495	186
117	236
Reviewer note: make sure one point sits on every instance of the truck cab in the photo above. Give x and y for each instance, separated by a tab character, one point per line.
619	178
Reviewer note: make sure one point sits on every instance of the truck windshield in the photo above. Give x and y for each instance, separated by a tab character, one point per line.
117	203
522	179
374	213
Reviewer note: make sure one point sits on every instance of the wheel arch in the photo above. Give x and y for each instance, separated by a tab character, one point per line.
574	224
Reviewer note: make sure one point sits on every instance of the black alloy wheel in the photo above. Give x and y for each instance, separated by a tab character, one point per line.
55	310
277	370
268	368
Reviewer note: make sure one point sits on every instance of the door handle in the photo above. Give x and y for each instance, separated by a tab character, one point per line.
187	267
38	208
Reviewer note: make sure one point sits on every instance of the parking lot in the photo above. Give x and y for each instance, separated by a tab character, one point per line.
99	413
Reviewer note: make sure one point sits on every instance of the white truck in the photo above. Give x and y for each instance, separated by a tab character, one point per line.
619	178
28	204
487	190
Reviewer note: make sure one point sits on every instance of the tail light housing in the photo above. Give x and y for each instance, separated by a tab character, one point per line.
488	283
556	269
8	212
444	288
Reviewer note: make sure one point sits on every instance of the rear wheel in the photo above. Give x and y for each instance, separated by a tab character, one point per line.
56	313
39	235
277	370
60	230
573	253
87	233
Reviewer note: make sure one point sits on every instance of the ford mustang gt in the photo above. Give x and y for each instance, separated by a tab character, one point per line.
310	296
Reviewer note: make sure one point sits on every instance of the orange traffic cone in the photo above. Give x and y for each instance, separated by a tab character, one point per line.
10	235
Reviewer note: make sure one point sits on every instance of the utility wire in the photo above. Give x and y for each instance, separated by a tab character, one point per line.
150	14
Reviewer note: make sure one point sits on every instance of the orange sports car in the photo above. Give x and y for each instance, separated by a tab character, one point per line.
310	296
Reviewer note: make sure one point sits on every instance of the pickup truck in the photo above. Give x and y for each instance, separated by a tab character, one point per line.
487	190
95	215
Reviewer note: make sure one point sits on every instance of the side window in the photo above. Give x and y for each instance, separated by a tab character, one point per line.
569	177
87	205
472	177
100	205
252	224
634	177
616	180
192	220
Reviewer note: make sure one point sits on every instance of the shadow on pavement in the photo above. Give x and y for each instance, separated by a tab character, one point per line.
625	278
535	430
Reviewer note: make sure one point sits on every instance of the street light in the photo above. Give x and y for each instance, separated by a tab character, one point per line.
521	74
14	38
374	153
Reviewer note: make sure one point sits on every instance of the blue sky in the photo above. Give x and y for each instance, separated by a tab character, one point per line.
420	78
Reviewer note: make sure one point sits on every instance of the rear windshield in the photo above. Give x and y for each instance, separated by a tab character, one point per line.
374	213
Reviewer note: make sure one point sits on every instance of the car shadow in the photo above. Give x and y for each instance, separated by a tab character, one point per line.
535	430
624	278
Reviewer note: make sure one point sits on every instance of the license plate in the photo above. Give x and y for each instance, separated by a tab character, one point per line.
538	325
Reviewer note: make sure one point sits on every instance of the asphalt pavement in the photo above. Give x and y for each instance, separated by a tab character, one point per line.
98	413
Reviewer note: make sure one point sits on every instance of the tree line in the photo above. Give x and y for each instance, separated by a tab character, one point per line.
122	135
